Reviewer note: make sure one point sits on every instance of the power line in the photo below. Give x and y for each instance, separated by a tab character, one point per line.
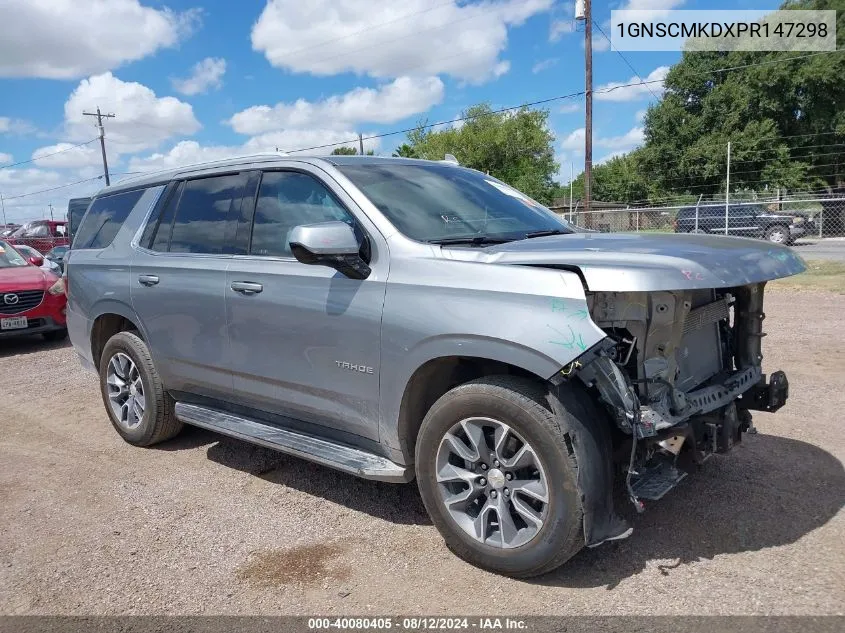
70	184
61	151
624	59
580	93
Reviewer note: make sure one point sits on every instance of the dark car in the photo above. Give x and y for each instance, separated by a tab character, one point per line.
76	208
744	220
57	256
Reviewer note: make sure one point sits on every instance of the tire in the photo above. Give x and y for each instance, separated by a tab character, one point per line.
520	404
55	335
158	422
776	230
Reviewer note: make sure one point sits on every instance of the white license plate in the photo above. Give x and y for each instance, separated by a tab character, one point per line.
13	323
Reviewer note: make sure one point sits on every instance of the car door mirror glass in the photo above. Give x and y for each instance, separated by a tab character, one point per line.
330	244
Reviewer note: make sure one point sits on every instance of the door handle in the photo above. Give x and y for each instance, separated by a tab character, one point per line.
247	287
148	280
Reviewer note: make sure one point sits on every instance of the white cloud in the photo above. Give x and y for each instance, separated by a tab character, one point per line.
5	158
190	152
327	37
559	28
66	156
142	119
386	104
572	145
652	9
15	182
574	142
639	115
600	43
544	65
626	142
15	126
66	39
569	108
205	75
621	91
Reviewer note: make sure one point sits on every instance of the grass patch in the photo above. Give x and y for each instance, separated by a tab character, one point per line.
820	275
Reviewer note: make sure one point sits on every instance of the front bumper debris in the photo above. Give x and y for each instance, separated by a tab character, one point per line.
769	396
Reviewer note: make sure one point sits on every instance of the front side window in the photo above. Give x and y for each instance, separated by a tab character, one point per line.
285	201
442	202
104	219
204	216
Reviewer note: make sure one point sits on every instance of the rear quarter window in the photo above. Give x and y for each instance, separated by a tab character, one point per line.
104	218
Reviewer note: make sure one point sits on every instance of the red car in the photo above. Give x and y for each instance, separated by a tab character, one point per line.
32	300
42	235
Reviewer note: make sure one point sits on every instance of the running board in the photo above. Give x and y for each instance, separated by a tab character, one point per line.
338	456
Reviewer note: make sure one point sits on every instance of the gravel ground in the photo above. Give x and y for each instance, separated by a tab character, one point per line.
208	525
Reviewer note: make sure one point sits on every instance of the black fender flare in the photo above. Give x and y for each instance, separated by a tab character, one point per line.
589	433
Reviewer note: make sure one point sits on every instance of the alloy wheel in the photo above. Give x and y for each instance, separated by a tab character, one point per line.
126	391
492	482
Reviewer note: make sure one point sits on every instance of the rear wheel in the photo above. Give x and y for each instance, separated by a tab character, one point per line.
138	406
497	478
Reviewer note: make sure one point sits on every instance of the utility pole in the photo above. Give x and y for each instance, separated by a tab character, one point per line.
360	144
728	188
51	211
3	204
570	191
583	11
100	118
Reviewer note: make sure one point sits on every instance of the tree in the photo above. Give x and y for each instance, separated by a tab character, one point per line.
785	121
515	147
349	151
405	151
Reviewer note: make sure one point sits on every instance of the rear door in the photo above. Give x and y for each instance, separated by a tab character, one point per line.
305	340
743	220
178	282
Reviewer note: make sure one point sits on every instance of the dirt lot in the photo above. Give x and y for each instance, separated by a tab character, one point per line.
204	525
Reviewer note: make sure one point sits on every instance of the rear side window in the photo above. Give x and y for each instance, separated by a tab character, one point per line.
104	219
206	215
156	235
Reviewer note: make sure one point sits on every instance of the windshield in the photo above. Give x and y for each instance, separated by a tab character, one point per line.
435	202
9	257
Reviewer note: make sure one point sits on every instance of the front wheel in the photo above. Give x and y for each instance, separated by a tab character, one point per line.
497	478
778	234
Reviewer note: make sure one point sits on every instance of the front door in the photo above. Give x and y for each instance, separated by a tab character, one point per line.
178	281
304	338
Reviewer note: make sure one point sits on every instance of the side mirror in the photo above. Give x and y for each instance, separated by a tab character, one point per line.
36	261
330	244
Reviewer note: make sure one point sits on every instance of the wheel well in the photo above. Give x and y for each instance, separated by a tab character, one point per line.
105	326
436	377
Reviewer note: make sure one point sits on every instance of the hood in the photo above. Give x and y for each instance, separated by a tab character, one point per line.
22	278
629	262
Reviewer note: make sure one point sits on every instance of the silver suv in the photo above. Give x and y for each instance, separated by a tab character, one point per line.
399	319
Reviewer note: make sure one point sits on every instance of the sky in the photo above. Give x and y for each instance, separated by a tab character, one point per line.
197	80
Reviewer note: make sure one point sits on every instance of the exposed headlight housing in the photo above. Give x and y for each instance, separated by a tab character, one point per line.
798	219
57	288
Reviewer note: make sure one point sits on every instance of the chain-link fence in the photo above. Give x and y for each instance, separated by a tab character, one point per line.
776	219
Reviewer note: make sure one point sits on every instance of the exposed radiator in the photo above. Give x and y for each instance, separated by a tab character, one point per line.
706	315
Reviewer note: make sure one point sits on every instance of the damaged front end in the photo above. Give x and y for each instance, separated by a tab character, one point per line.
679	373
